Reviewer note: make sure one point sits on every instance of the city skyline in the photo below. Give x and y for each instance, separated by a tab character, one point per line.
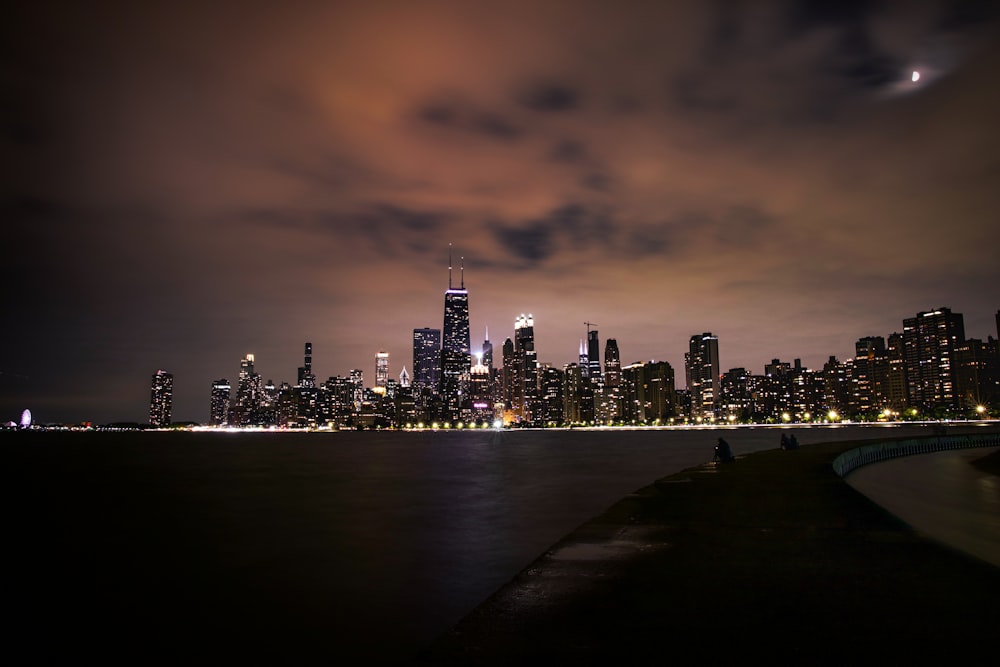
938	364
194	184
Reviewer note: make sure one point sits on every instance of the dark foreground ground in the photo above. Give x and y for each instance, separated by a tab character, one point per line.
772	559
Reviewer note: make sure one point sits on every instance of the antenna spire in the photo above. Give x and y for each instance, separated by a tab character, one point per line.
463	273
449	266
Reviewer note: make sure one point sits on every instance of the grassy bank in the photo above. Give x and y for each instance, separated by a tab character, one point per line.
771	558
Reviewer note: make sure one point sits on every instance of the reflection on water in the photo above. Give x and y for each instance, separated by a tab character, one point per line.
283	545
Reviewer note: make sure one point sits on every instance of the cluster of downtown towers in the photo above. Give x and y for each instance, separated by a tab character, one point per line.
930	370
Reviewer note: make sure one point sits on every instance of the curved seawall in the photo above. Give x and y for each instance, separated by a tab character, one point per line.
774	557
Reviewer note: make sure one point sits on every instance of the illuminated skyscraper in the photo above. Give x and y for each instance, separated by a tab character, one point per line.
381	368
219	414
593	355
426	359
702	370
508	379
161	399
358	384
488	351
456	361
306	378
249	395
609	400
929	342
526	360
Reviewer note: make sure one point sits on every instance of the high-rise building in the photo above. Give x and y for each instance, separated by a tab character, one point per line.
479	404
426	359
550	397
593	355
306	378
249	395
456	360
702	370
977	369
357	379
648	392
929	342
381	368
869	375
404	378
219	413
612	363
609	399
896	386
734	391
488	351
526	391
509	380
161	399
572	389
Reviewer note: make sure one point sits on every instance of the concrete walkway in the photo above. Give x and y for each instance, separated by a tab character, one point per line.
772	559
941	496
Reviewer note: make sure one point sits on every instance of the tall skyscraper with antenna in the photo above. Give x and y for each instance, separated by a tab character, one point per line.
456	362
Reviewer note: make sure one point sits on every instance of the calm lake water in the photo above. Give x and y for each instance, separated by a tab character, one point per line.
285	546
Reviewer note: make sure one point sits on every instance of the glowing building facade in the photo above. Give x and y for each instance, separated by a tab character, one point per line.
456	360
701	365
381	368
929	342
161	399
219	409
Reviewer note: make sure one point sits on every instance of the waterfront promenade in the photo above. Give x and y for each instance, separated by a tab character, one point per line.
773	558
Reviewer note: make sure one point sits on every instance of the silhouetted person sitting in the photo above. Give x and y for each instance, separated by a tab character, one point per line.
793	442
784	441
723	452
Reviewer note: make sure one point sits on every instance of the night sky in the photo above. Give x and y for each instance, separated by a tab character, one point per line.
188	182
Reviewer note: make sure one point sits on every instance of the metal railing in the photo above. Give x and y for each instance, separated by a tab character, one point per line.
883	451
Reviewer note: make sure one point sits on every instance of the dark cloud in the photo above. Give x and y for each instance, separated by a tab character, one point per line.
467	118
439	114
186	185
813	14
964	14
569	150
570	227
549	96
695	93
856	59
494	126
596	181
532	243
